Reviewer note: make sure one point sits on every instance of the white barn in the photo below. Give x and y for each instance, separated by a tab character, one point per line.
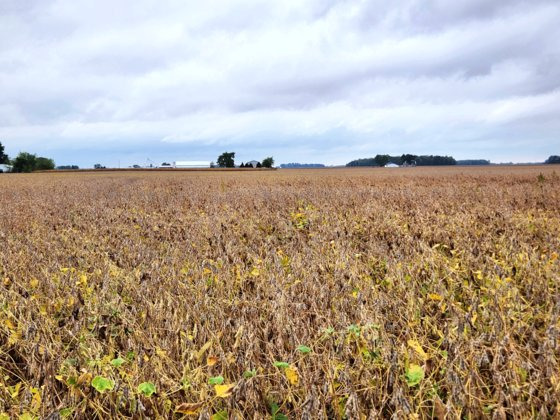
391	165
185	164
5	168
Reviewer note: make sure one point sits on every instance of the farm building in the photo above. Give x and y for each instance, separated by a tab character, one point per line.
391	165
253	163
5	168
191	164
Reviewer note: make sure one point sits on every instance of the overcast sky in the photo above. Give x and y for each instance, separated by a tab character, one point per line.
304	81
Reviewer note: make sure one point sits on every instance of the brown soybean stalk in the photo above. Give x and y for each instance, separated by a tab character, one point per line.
342	293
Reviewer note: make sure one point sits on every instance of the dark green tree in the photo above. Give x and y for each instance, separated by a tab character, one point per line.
408	159
3	156
24	162
268	162
259	165
381	160
553	159
226	160
44	164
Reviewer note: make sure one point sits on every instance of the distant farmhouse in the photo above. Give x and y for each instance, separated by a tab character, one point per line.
187	164
5	168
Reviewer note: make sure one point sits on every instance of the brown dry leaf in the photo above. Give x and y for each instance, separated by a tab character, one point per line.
189	408
202	350
440	412
223	391
84	378
211	360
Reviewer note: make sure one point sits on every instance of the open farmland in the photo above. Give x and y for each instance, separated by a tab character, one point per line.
312	294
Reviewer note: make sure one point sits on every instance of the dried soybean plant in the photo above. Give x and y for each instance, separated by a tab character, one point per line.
358	293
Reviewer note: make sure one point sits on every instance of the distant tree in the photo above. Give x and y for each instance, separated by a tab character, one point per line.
259	165
226	160
553	159
473	162
212	165
362	162
408	159
381	160
44	164
3	156
268	162
294	165
435	160
24	162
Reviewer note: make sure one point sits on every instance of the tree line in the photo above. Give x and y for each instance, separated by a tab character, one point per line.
26	162
405	159
227	160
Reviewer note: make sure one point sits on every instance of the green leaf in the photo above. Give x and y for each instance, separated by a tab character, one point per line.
304	349
147	388
66	412
282	365
250	373
118	362
275	412
414	375
102	384
354	329
220	415
216	380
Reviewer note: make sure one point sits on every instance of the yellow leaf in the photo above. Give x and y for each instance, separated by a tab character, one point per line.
434	296
211	360
9	324
223	391
160	352
15	390
255	272
36	400
415	345
189	408
34	283
292	375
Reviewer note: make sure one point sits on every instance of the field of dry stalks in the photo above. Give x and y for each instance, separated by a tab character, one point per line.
338	294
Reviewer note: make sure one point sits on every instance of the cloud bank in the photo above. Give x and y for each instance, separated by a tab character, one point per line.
304	81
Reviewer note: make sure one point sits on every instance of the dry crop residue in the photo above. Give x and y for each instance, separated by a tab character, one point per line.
357	293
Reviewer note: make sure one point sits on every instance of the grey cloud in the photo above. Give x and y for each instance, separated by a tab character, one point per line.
333	75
